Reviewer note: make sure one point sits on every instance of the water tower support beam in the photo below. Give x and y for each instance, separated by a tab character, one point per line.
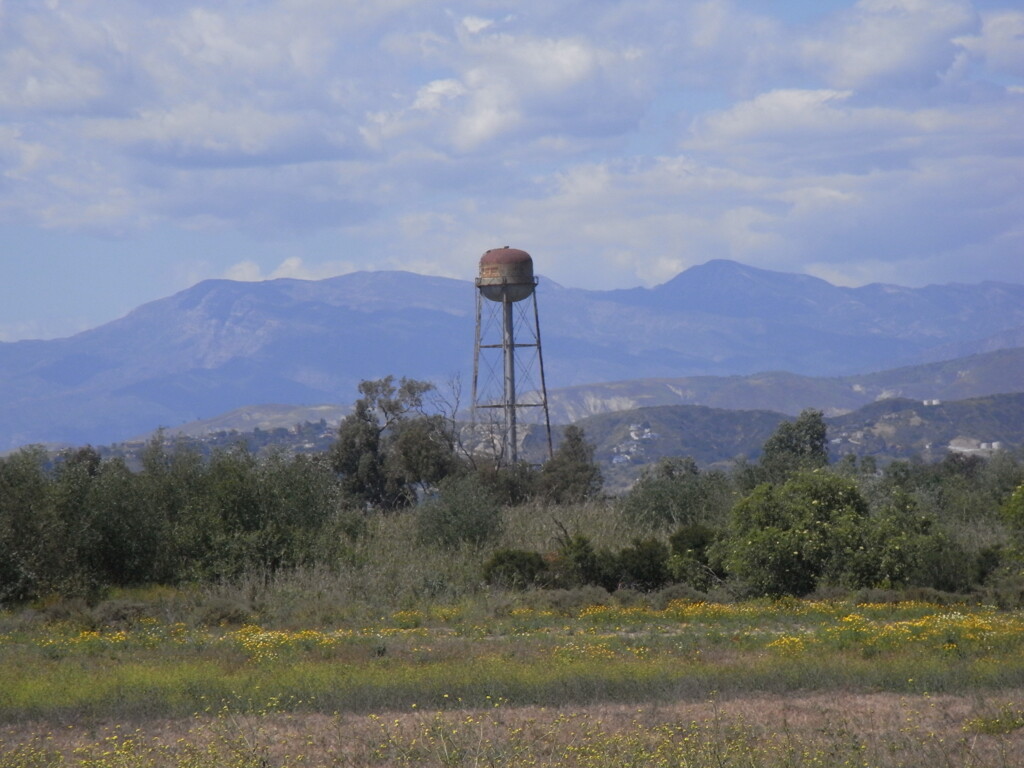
543	383
509	350
506	277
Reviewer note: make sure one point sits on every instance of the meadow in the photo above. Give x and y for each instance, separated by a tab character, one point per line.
534	679
269	614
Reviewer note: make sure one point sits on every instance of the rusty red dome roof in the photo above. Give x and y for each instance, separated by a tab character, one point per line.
505	255
506	274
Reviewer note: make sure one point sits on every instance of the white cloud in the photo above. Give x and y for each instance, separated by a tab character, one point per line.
776	115
436	93
1000	43
31	81
199	128
19	157
474	24
885	43
829	130
521	88
245	271
292	267
955	195
623	141
719	38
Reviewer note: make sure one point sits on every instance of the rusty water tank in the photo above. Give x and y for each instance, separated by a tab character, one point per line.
506	271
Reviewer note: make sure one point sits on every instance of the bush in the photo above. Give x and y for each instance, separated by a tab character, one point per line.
688	563
569	601
676	492
465	511
576	564
510	485
693	541
783	539
903	546
571	476
514	568
644	565
1013	511
661	599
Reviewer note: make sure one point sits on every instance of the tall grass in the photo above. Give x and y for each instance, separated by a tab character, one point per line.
526	655
527	680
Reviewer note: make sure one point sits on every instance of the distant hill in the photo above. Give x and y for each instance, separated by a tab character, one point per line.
901	428
261	417
977	375
223	345
627	441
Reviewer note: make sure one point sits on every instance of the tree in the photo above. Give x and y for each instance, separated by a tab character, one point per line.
29	548
571	476
689	563
904	546
465	511
389	451
130	535
784	539
795	446
512	484
1012	512
421	453
675	492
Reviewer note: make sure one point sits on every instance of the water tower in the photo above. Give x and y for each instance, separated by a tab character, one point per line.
509	334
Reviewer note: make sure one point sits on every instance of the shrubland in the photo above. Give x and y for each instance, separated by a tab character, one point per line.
398	600
397	507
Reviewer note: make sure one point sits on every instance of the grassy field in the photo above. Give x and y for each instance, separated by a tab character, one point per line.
532	681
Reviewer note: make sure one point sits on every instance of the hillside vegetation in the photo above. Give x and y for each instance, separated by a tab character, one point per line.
83	524
629	440
887	430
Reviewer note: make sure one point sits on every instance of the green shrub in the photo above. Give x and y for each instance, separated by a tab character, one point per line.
510	485
514	568
688	563
1013	511
568	601
903	546
571	475
783	539
675	492
644	565
693	541
576	564
465	511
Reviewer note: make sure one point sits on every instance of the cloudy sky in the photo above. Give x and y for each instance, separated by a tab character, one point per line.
146	145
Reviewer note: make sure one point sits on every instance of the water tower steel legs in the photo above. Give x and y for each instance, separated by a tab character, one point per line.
543	383
508	342
506	277
509	403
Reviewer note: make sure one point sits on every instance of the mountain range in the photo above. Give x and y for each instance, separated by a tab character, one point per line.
978	375
222	345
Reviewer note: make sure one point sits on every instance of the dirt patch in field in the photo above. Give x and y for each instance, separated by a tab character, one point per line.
875	729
